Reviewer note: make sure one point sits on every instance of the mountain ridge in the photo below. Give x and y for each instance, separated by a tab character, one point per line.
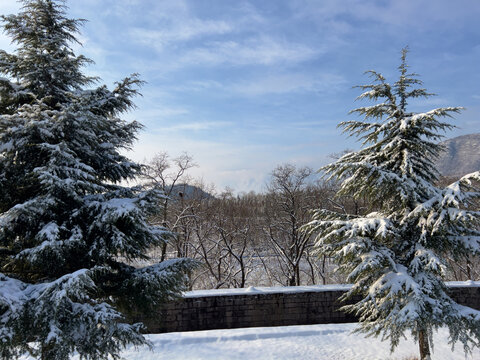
461	155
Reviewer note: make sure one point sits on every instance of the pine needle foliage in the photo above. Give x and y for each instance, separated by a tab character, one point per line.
67	224
395	254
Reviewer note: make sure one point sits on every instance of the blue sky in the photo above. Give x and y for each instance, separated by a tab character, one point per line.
244	86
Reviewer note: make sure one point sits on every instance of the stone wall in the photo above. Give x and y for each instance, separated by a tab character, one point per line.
226	311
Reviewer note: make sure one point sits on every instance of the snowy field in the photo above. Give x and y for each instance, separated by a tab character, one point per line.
306	342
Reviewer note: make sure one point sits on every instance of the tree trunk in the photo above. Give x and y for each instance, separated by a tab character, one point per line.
46	352
164	251
423	345
324	260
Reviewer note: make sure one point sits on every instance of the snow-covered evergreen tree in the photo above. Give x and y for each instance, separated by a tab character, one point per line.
65	218
395	254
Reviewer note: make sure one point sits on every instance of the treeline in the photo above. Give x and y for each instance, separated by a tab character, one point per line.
252	239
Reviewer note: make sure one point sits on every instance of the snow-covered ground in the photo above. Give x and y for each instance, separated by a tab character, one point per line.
324	342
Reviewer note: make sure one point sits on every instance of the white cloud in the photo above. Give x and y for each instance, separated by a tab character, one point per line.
157	112
199	85
237	163
225	40
239	166
223	164
173	22
250	15
262	50
180	31
287	83
413	13
196	126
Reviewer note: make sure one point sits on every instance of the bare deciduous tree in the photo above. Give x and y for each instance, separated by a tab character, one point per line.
287	206
174	210
224	233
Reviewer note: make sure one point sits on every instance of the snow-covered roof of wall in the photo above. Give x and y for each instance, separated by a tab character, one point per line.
295	289
468	283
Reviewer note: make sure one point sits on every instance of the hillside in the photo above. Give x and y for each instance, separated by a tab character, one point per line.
462	155
188	191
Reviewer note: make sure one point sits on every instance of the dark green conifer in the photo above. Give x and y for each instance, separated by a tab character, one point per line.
67	225
395	255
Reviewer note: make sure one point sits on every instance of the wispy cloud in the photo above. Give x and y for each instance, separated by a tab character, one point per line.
180	31
416	14
196	126
199	86
290	82
162	112
263	50
245	85
175	23
240	166
240	36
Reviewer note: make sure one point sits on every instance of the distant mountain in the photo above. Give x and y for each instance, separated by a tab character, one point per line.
189	192
461	156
